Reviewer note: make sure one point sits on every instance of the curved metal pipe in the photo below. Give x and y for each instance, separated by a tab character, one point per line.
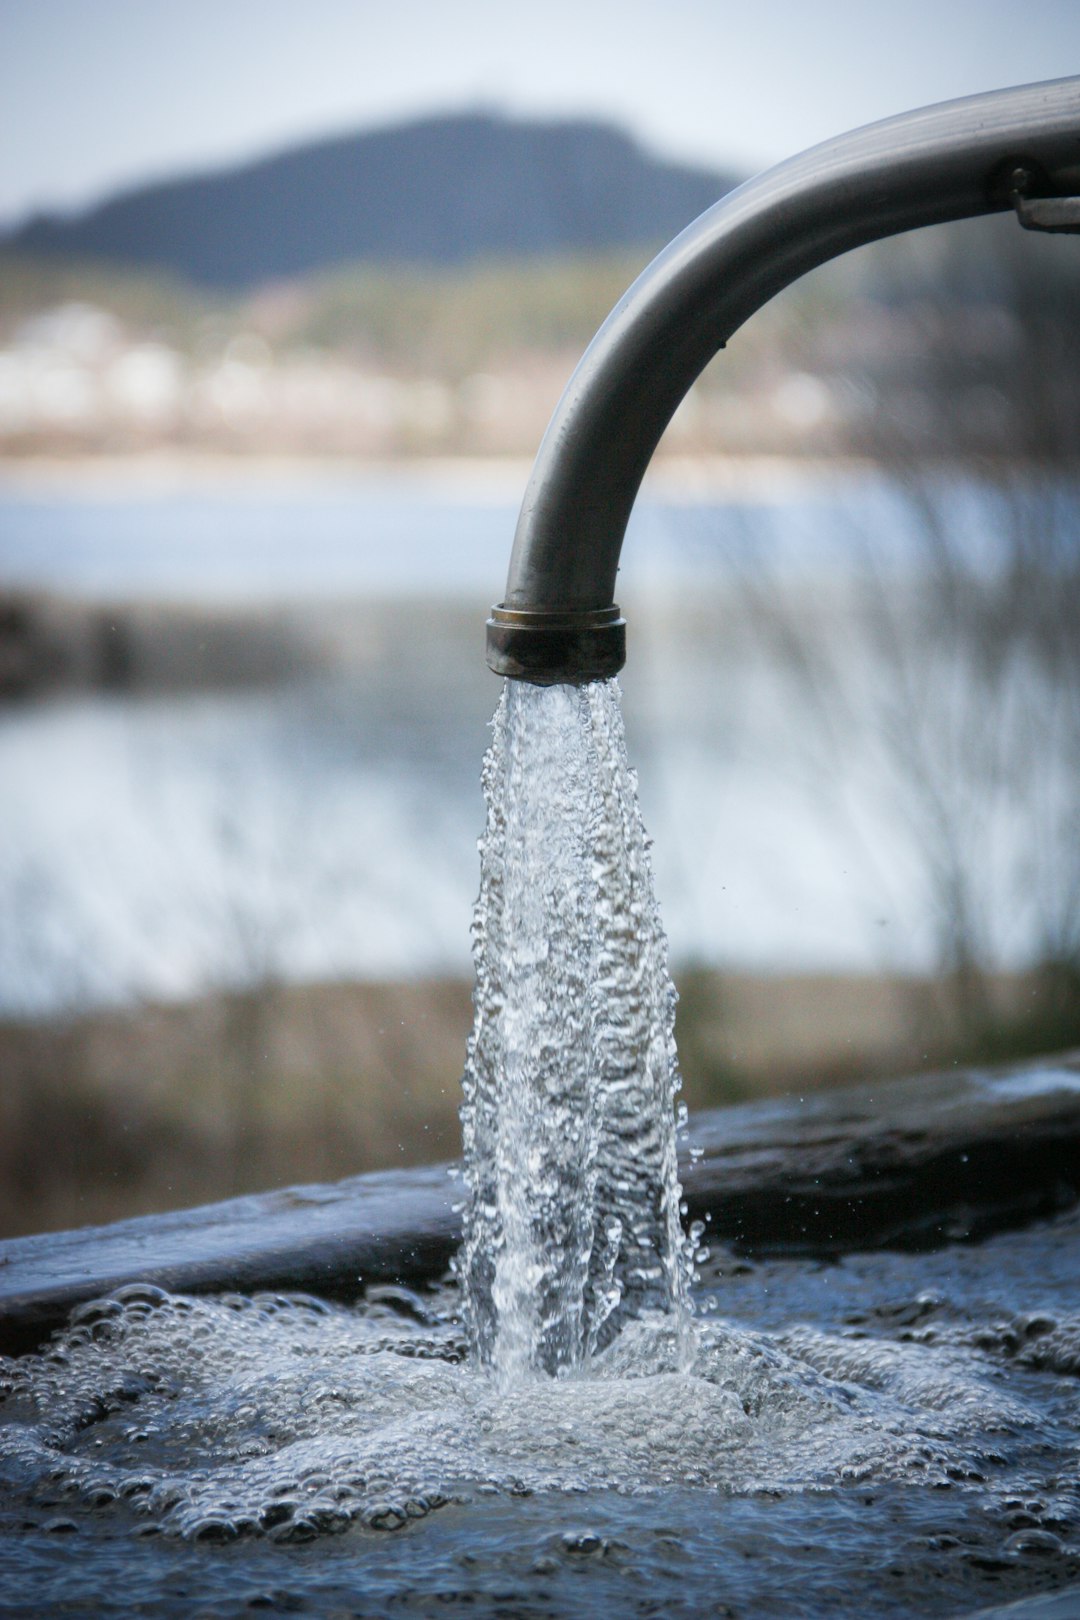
980	155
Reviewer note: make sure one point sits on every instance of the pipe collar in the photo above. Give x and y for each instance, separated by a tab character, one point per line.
556	647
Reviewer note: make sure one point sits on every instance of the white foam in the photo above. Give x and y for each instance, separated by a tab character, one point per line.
215	1417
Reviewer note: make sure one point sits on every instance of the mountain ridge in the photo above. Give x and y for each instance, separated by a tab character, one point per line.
446	189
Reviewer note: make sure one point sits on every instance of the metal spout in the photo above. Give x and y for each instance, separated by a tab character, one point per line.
558	620
549	647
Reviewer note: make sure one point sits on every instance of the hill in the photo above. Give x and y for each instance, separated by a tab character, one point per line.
442	191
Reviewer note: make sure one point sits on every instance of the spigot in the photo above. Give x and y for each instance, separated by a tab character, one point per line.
558	620
549	647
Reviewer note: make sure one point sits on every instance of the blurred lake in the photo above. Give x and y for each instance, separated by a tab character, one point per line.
323	824
443	529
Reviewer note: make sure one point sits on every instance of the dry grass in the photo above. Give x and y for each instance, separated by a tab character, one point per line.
125	1113
122	1114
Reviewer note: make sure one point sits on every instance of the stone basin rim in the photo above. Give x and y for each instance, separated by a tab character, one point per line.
914	1163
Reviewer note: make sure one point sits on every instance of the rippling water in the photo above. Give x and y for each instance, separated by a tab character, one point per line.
889	1435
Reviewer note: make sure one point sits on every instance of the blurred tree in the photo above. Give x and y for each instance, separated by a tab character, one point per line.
957	665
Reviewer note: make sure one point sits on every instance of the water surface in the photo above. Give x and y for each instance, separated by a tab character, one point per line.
891	1434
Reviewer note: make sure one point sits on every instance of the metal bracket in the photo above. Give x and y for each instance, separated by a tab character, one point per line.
1060	214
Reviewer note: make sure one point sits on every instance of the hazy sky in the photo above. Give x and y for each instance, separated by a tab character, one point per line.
100	93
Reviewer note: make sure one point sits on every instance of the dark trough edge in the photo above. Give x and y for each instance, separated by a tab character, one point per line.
911	1163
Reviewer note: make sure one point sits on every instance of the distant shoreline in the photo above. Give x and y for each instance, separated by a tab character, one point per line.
671	477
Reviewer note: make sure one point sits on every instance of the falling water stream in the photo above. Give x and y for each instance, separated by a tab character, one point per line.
608	1419
572	1225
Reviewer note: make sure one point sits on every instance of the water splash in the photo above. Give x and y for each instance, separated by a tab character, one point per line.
572	1221
286	1417
858	1442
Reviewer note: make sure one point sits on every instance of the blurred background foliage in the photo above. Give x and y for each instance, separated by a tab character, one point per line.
946	360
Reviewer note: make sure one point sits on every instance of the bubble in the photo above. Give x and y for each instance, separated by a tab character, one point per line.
569	1121
218	1419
